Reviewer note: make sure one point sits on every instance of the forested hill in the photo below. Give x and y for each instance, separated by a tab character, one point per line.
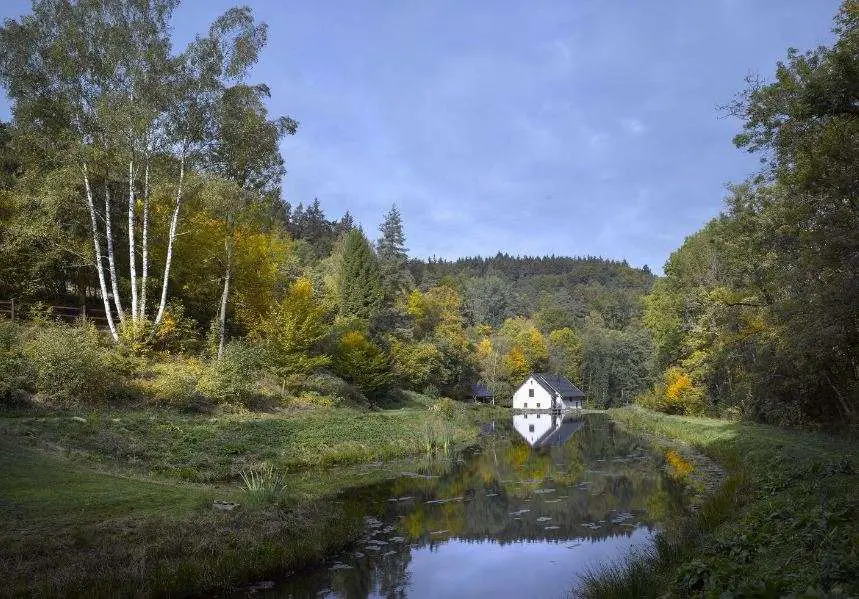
568	270
557	291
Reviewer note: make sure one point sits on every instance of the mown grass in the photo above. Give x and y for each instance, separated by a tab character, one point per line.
784	523
119	503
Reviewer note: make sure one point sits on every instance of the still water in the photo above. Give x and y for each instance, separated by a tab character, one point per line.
541	500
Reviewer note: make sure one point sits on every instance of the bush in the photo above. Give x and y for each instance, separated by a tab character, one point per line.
233	376
173	383
177	333
676	394
444	407
72	365
364	364
332	386
14	368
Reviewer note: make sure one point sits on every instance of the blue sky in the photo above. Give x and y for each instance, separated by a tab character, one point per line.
567	127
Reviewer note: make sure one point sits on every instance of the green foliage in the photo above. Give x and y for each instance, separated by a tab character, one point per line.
363	363
72	365
489	300
177	333
566	352
417	364
760	306
616	365
232	377
677	393
393	255
291	333
360	284
14	368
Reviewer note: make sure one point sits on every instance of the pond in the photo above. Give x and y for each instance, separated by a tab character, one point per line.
542	499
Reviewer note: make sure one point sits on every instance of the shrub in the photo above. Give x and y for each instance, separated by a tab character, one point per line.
14	369
363	363
417	365
329	385
233	376
173	383
444	407
71	364
676	394
177	333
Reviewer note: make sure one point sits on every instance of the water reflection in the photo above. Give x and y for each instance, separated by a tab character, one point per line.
542	429
521	515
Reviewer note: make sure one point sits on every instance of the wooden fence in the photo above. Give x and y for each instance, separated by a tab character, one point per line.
15	310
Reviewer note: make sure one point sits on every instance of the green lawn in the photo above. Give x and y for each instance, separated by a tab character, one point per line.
786	522
115	503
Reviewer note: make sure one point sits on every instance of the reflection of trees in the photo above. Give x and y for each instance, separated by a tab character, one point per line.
596	475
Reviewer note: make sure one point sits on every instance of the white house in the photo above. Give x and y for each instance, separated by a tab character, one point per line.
543	391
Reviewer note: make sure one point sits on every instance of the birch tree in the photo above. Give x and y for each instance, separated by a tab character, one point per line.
98	81
244	153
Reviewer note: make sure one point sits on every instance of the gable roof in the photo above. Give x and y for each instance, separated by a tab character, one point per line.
481	390
557	384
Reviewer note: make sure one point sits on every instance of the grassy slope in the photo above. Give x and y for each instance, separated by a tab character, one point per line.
100	508
787	519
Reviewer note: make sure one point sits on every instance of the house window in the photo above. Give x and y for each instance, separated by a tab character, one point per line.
530	393
530	428
538	404
526	404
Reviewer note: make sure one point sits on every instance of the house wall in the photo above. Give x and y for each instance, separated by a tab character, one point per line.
574	404
532	426
523	401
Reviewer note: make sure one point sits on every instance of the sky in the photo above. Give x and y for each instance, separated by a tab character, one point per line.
565	127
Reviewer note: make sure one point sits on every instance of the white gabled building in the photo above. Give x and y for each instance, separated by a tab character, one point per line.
543	391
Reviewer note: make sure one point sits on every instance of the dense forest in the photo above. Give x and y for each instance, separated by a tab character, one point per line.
143	182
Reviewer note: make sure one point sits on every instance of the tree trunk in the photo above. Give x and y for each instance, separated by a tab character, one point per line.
225	297
132	259
144	249
170	240
114	282
98	264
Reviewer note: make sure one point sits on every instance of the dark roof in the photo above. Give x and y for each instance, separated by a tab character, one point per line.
481	390
557	384
560	432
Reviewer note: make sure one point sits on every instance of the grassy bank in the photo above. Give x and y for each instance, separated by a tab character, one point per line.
112	503
785	522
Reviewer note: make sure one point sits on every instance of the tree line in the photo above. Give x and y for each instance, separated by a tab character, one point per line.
146	179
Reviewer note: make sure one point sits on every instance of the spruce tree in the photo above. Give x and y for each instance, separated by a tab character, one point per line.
360	280
393	255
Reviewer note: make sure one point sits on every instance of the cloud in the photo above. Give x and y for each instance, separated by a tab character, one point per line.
633	126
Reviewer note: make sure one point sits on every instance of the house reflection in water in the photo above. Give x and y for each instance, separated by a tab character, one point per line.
542	429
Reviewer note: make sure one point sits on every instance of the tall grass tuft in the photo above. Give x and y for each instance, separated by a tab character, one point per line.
263	486
438	436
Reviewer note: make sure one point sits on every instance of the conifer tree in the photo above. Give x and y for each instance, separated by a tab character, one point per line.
360	280
393	254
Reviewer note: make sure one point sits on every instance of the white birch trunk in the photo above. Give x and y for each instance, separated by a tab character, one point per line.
225	297
98	263
132	259
144	250
111	262
171	238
